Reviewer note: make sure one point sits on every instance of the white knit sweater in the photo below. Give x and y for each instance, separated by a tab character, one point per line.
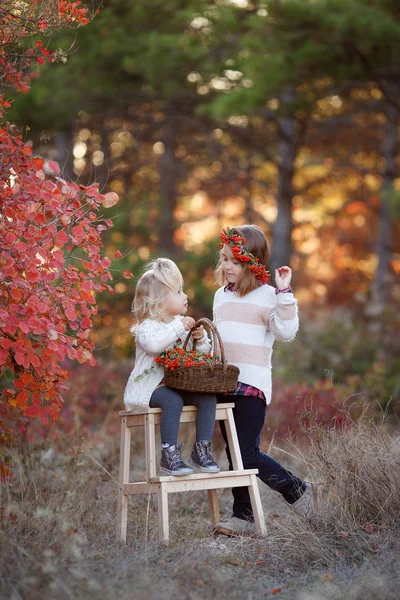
152	338
248	326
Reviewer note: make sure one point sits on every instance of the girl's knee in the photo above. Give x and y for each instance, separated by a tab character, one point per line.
174	402
251	459
165	397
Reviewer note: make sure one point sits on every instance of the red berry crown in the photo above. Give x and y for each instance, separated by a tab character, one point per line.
241	252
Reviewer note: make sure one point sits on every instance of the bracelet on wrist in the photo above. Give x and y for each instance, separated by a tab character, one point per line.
283	290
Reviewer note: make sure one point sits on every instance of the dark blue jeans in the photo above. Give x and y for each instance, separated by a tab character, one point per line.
249	416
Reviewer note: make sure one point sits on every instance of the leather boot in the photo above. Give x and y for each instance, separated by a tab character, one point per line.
172	463
202	459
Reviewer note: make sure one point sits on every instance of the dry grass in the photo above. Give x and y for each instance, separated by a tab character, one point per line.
58	530
360	470
358	473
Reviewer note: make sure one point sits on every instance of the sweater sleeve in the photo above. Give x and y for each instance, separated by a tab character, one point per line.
155	339
284	319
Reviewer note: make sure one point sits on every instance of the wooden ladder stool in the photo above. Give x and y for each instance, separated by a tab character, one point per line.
164	485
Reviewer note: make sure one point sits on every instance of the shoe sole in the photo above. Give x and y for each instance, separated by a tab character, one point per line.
313	487
175	473
203	469
232	533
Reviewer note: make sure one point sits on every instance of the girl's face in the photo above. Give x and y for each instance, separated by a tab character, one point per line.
175	304
233	269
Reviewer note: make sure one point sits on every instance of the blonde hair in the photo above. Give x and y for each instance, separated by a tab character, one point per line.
160	277
257	244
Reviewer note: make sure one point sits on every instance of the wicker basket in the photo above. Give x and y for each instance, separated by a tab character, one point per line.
218	377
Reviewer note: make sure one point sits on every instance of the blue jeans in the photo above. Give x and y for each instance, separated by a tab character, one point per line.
249	414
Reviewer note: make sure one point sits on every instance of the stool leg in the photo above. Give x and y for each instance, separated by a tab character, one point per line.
163	521
124	462
257	506
233	441
214	507
150	444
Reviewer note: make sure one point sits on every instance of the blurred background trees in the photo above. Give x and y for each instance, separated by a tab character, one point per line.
204	114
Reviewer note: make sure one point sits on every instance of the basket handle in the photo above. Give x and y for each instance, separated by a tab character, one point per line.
213	331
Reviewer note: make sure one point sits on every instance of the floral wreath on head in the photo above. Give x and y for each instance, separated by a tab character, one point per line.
242	253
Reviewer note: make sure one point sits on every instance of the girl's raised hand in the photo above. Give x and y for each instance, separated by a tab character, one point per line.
188	323
283	277
198	333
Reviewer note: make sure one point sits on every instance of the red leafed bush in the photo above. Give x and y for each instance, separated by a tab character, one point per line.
299	408
51	266
51	262
18	21
90	408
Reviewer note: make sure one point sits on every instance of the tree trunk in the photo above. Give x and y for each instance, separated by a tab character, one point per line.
64	143
384	245
103	172
168	184
282	228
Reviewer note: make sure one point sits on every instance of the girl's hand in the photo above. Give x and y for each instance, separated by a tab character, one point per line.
283	277
188	323
197	334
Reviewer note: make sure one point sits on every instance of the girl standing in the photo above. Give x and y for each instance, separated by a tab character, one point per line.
158	305
249	315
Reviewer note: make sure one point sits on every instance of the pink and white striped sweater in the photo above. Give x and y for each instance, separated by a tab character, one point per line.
248	326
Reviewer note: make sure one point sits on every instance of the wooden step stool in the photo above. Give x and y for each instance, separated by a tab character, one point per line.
164	485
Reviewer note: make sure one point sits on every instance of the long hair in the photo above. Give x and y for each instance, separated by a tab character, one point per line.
160	276
257	244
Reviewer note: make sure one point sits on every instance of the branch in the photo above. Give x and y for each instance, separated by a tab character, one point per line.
377	78
310	184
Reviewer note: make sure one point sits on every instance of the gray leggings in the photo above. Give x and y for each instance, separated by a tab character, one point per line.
172	401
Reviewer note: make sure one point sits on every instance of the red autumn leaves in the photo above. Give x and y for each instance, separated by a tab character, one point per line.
45	18
52	266
73	12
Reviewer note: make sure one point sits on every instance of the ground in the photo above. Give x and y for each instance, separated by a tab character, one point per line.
59	540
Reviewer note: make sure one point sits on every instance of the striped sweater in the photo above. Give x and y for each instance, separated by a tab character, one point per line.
248	326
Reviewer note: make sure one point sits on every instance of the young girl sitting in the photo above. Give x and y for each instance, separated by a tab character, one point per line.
159	301
249	315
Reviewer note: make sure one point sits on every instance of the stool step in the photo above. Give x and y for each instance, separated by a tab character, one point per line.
195	476
192	483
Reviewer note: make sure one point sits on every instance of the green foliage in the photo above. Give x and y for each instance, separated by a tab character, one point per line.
392	195
130	50
357	354
305	46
